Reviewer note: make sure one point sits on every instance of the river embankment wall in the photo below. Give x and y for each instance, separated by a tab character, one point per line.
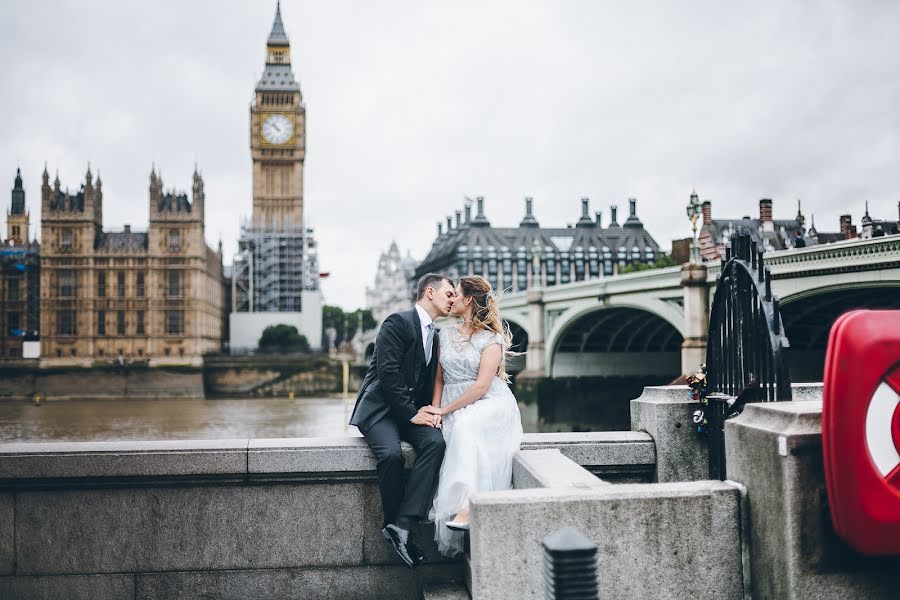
218	377
247	518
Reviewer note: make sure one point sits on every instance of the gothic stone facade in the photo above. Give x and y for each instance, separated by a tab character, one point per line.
154	296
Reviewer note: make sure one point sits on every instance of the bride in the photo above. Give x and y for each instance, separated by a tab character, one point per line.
480	418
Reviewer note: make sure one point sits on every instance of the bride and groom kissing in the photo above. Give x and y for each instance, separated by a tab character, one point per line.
446	393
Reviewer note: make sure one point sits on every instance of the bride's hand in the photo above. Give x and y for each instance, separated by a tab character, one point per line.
434	410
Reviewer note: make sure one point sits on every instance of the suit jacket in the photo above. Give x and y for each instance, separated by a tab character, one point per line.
398	381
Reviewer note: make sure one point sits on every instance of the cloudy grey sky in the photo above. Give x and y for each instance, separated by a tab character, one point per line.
412	104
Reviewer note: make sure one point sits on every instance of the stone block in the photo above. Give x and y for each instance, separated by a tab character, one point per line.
68	587
621	456
122	459
7	533
775	451
376	549
672	540
665	412
119	530
314	455
550	469
347	583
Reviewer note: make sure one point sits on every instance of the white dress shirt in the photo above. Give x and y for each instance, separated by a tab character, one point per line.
426	320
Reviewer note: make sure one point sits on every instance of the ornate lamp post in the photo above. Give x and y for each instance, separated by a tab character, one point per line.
693	213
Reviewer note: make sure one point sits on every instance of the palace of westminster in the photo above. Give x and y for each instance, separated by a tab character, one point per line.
84	295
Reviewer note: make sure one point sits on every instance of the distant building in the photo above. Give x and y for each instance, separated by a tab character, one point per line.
516	258
19	280
394	287
779	234
275	276
154	295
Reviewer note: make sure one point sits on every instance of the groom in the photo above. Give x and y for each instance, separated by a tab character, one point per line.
389	408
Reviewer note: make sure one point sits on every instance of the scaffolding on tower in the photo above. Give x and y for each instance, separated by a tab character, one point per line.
273	267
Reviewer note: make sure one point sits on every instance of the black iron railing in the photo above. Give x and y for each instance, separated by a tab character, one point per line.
746	347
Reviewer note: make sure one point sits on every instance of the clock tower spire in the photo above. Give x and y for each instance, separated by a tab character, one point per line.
278	138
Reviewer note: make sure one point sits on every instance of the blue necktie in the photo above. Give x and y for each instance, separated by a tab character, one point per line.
429	343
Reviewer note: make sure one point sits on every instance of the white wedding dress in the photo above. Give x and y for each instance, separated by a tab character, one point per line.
481	438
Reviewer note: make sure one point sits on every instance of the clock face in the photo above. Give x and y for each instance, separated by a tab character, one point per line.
277	129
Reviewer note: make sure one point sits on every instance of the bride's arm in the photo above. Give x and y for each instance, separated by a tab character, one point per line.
487	369
438	387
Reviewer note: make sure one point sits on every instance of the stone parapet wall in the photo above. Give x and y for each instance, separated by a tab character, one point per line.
62	383
232	518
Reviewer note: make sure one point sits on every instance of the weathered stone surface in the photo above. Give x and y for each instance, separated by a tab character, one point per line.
379	551
446	591
672	540
347	583
188	528
665	412
68	587
122	459
597	448
550	469
806	391
7	541
775	451
313	455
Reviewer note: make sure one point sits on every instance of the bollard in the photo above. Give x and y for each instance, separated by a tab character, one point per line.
570	566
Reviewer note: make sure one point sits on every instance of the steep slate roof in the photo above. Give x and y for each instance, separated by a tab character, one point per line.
60	200
174	203
122	241
479	234
278	77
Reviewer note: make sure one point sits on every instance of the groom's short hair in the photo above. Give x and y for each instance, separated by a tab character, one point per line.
430	280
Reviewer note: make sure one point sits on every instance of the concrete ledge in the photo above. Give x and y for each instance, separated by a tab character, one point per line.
673	540
122	459
621	454
550	469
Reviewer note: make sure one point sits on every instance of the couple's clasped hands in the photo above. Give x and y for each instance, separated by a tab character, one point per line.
428	415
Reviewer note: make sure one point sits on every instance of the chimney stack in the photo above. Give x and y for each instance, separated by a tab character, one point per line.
458	221
468	213
585	220
632	207
707	212
846	226
599	215
765	214
480	219
440	230
529	220
449	224
128	229
613	210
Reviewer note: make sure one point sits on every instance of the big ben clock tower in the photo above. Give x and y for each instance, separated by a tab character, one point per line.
278	139
275	274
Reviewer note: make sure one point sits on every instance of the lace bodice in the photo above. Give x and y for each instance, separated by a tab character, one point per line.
461	354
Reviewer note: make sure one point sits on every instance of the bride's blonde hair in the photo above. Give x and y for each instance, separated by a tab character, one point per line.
486	315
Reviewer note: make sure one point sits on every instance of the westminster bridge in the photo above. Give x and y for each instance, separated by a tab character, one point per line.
636	324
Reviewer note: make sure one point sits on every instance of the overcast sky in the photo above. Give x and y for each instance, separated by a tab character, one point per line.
413	104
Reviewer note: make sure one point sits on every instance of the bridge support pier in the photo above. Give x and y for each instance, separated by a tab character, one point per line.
535	364
696	316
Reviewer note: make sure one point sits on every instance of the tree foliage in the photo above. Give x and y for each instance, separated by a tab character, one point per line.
345	324
283	338
664	260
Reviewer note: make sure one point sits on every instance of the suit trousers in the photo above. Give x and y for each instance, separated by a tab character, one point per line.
413	499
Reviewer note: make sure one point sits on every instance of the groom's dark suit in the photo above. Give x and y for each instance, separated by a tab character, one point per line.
396	385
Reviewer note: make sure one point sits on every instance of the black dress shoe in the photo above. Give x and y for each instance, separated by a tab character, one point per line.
400	539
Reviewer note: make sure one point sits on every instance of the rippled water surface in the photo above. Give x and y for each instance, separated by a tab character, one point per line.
95	420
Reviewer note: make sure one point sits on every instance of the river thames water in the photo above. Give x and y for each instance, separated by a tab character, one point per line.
96	420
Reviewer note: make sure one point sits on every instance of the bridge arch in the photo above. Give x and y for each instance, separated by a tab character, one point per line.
621	340
808	316
669	312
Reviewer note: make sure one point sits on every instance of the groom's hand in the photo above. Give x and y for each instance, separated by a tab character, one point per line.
423	418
